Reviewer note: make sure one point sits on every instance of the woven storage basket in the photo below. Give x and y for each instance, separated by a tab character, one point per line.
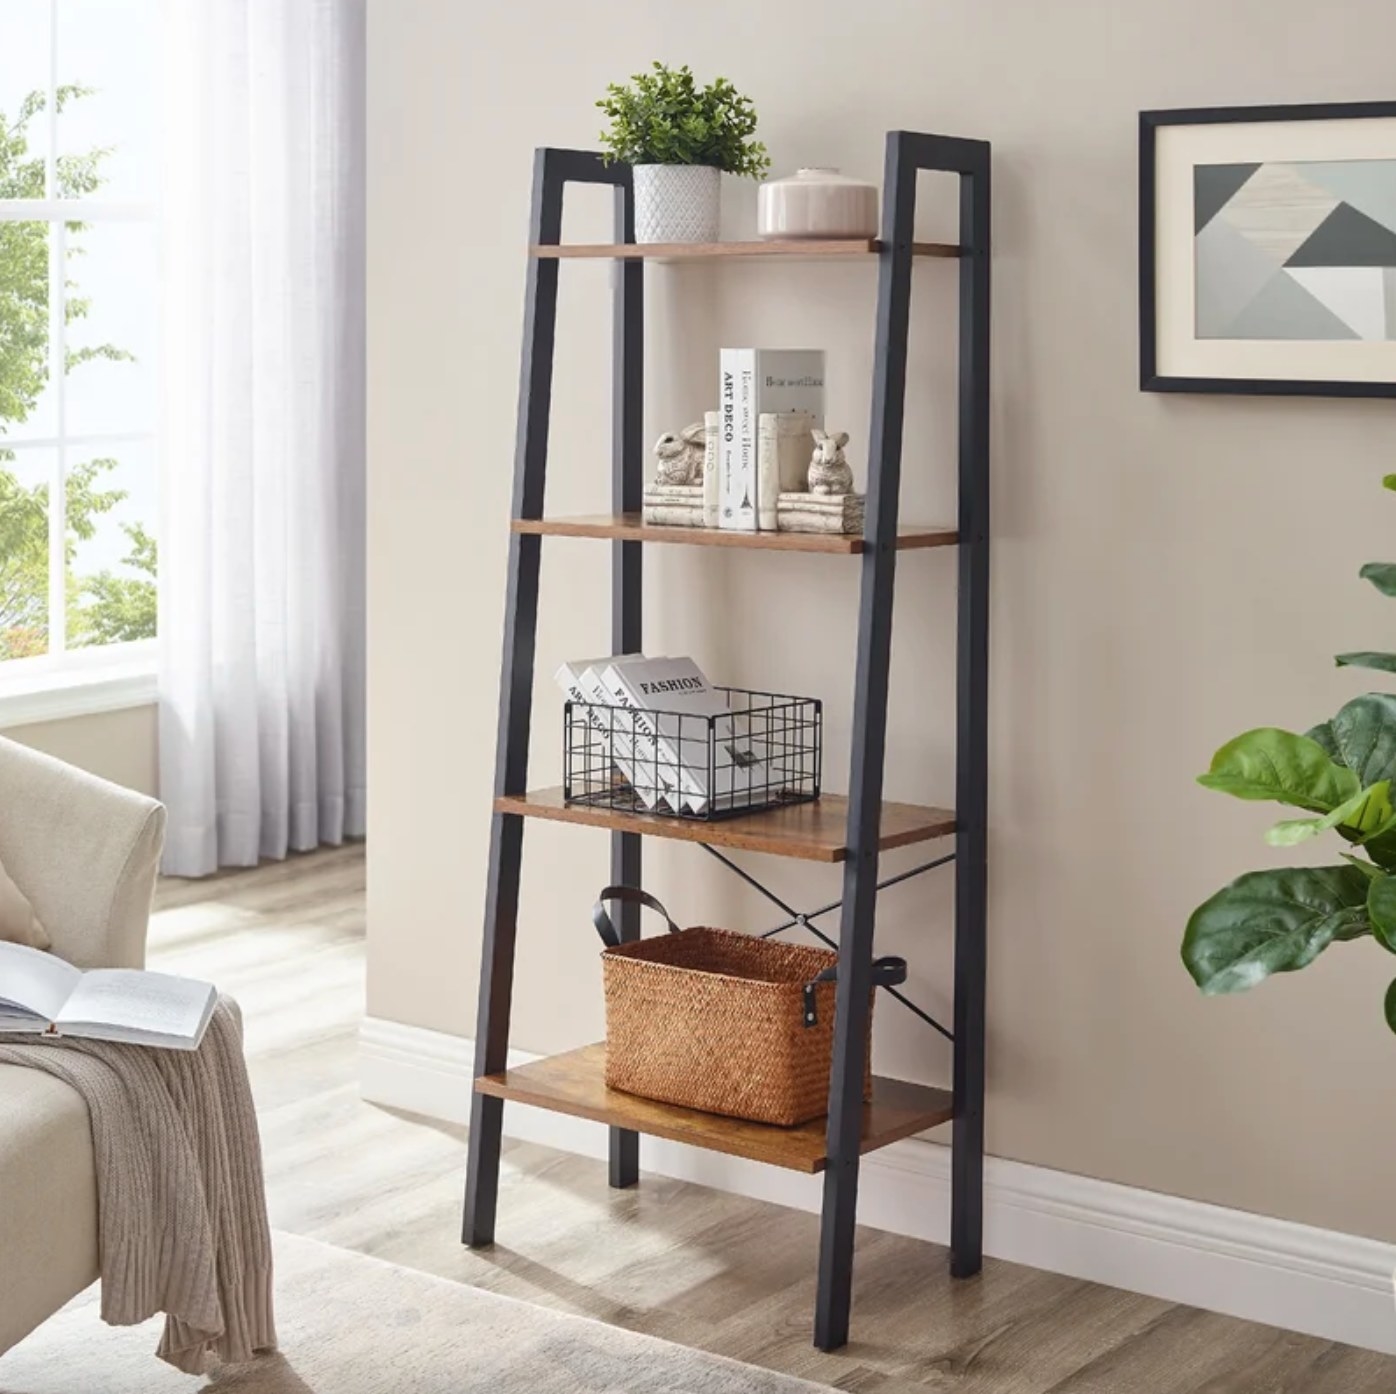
716	1021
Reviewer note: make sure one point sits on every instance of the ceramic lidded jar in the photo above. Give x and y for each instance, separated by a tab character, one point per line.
816	202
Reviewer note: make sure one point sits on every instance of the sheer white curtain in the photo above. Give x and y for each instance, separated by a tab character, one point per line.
262	555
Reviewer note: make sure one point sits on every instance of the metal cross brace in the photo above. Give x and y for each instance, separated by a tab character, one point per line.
803	920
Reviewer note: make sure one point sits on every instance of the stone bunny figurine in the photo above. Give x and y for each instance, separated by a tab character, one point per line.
828	470
680	457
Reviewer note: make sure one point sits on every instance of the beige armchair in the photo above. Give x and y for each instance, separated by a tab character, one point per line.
85	853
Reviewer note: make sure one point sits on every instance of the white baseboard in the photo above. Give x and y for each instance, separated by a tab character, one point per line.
1322	1283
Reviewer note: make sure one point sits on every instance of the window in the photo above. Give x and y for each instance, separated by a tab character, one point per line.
78	328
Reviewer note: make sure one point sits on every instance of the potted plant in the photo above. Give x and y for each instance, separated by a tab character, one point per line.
1340	776
679	137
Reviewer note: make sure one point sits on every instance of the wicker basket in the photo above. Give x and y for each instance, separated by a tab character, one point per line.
722	1022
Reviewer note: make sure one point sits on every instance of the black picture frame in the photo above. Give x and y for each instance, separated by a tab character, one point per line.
1150	380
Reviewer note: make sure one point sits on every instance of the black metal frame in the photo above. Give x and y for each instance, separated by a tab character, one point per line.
907	155
1150	380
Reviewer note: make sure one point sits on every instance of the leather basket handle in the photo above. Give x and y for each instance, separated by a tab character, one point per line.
888	971
627	895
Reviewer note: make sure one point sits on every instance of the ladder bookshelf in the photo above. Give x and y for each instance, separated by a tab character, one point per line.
852	830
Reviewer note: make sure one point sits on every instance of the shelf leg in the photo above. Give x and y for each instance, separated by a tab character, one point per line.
627	574
492	1029
854	991
972	738
515	701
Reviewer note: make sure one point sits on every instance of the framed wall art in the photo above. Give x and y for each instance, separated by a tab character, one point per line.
1267	250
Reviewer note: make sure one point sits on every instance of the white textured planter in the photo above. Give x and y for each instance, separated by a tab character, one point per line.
676	203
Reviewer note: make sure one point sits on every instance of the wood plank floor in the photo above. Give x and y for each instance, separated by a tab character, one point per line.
678	1261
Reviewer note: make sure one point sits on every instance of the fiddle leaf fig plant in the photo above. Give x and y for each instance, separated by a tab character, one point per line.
1340	775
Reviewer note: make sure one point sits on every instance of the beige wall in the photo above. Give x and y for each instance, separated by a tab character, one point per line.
121	746
1167	571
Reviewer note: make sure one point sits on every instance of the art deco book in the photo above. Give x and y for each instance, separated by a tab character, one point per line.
43	995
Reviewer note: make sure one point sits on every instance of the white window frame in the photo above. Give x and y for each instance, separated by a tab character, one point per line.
64	682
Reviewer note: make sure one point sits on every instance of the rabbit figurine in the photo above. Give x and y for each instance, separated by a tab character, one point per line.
680	457
829	472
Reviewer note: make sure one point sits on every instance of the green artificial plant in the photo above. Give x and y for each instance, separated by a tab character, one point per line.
663	117
1340	775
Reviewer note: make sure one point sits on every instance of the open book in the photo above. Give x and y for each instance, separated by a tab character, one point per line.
41	994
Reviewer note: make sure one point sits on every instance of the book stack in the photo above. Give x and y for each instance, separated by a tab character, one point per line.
674	505
660	725
836	513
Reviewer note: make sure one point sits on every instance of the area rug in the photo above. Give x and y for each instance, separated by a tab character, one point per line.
355	1325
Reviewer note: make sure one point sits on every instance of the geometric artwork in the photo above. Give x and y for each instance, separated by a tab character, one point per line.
1267	250
1300	250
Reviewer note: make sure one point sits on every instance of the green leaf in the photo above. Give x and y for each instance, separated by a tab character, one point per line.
1272	764
1366	813
1323	737
1391	1005
1364	735
1371	872
1388	481
1381	911
1272	922
1382	662
1382	574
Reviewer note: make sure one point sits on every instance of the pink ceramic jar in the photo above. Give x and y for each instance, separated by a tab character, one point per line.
816	202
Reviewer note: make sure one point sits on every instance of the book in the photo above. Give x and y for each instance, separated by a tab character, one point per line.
752	381
655	770
712	469
42	995
716	763
578	679
784	446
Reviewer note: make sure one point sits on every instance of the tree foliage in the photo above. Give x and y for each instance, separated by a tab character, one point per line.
103	608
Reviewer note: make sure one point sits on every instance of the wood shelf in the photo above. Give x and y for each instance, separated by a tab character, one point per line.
806	248
630	527
811	832
575	1083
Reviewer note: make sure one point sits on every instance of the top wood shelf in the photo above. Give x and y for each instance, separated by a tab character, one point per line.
697	251
631	527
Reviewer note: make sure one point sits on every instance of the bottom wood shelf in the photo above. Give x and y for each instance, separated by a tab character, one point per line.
575	1083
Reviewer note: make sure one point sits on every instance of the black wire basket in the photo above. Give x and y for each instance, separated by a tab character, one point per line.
763	752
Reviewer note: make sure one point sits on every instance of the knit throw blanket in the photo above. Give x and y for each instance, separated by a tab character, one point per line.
179	1186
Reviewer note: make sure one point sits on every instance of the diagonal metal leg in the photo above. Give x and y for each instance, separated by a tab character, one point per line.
551	169
627	625
972	741
906	154
844	1141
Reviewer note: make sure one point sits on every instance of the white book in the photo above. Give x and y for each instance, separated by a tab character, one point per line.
785	445
42	995
736	454
657	772
712	469
670	690
753	381
578	680
620	729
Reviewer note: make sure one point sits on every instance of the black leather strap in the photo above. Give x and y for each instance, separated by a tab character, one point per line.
628	895
887	971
